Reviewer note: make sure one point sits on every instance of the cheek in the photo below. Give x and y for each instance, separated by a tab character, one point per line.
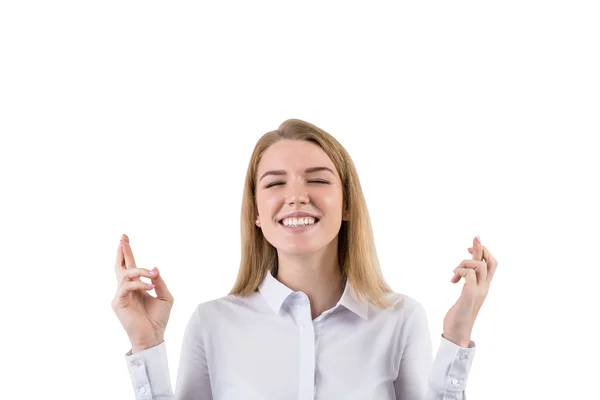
266	204
333	201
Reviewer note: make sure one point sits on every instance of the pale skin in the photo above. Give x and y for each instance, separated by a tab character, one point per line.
143	316
293	176
285	183
478	273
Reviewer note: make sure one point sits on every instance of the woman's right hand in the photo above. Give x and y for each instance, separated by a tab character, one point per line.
143	316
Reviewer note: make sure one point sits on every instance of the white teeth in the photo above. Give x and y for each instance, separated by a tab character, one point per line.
294	222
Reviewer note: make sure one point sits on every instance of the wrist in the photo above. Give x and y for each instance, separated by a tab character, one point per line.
459	340
139	346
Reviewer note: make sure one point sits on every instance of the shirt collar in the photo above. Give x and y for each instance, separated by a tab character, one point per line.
275	293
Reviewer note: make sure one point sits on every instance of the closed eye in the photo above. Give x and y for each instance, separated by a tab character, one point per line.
277	183
274	184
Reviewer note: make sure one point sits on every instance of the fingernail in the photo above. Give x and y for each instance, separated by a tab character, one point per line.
150	286
478	239
153	271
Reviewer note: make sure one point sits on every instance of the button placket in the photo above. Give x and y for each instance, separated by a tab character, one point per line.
317	327
307	351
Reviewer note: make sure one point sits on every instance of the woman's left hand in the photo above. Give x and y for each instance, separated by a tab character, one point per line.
478	273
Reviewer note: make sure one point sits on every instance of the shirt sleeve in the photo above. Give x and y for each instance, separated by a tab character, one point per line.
418	378
149	369
149	373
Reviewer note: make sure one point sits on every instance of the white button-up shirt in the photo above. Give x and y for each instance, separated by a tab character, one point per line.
266	346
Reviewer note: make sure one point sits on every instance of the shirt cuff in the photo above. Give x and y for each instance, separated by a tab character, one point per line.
149	372
452	365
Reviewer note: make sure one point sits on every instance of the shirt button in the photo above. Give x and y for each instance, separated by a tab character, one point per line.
142	390
454	381
136	363
464	356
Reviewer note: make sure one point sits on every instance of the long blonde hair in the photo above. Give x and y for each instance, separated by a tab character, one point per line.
357	257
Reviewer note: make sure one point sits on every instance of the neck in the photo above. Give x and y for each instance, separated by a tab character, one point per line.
317	275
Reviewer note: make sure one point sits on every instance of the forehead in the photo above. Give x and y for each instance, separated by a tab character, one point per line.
293	156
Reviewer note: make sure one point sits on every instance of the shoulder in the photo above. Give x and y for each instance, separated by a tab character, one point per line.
221	304
222	307
401	307
401	301
226	314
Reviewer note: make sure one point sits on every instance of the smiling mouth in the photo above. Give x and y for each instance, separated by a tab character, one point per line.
299	222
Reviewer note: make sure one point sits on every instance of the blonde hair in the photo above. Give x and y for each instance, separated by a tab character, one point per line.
357	257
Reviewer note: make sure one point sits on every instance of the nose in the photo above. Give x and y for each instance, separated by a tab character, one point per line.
296	194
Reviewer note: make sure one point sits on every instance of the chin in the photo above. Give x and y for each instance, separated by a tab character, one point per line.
297	250
303	247
305	242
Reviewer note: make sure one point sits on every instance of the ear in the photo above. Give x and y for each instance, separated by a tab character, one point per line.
257	221
345	216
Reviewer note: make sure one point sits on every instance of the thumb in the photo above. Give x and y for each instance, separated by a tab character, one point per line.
160	287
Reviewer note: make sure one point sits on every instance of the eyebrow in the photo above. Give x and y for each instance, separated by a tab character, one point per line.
306	171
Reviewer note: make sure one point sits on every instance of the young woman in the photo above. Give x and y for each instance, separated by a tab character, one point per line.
310	315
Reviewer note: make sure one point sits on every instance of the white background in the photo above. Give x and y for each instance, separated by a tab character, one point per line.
463	119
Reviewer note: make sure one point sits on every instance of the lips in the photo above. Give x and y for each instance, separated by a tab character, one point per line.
281	220
299	214
282	224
